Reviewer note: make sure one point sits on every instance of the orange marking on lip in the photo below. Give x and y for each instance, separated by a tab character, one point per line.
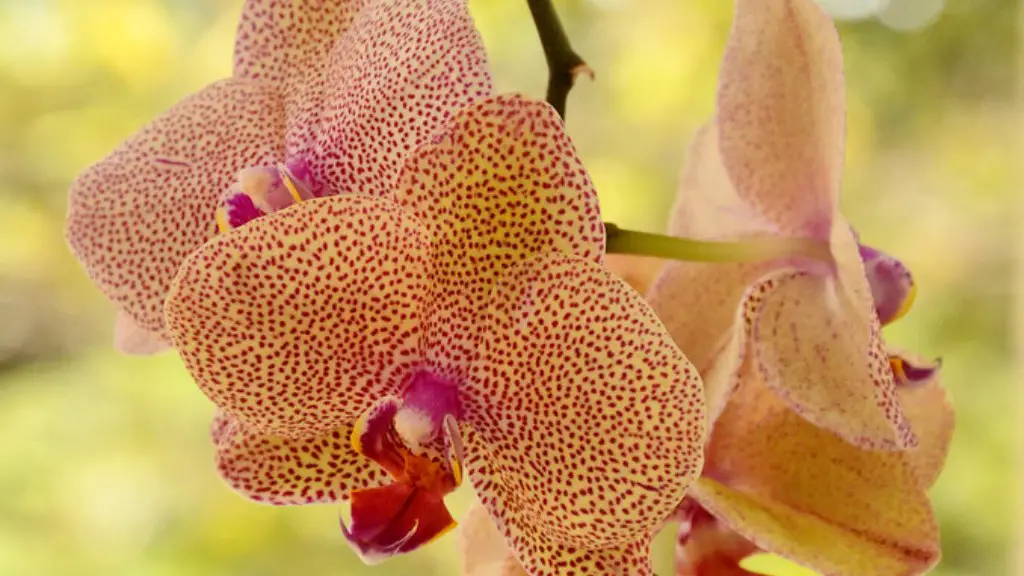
896	363
289	183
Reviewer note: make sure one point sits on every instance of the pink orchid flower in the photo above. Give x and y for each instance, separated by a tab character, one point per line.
770	166
461	324
336	90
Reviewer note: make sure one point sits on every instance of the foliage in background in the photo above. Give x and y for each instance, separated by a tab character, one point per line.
105	466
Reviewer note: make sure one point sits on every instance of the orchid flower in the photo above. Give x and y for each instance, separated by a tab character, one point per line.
325	88
775	482
769	168
462	324
801	389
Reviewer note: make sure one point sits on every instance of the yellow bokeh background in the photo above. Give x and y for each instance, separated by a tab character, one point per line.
105	463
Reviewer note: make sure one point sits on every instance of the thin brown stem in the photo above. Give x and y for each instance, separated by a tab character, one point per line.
564	64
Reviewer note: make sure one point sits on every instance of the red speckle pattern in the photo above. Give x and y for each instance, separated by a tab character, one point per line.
403	67
503	185
284	471
587	422
395	80
538	556
831	365
782	113
286	43
298	321
134	216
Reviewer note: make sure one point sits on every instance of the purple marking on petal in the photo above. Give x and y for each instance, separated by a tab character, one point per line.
892	285
868	253
913	374
241	210
426	402
171	162
300	171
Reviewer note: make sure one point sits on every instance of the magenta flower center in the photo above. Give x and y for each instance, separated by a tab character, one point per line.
261	190
425	403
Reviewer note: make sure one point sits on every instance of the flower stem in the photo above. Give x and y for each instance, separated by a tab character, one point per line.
564	64
622	241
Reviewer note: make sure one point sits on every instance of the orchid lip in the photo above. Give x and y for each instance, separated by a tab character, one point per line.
409	512
911	373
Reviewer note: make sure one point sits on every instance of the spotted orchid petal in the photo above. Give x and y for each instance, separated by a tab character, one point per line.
131	339
282	41
892	286
286	44
297	321
831	366
136	215
586	423
484	553
283	471
723	373
706	547
781	113
503	185
396	79
797	490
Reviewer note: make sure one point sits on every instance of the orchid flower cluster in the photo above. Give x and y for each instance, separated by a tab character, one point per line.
389	280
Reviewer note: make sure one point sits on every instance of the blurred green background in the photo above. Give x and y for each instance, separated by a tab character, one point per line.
105	465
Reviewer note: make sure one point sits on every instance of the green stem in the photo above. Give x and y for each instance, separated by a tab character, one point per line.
622	241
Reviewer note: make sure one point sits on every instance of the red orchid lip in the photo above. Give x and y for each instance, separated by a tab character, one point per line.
395	519
409	512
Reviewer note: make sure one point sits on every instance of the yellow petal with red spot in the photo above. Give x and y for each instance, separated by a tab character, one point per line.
586	422
286	43
376	110
136	215
698	302
284	471
296	322
505	184
931	415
